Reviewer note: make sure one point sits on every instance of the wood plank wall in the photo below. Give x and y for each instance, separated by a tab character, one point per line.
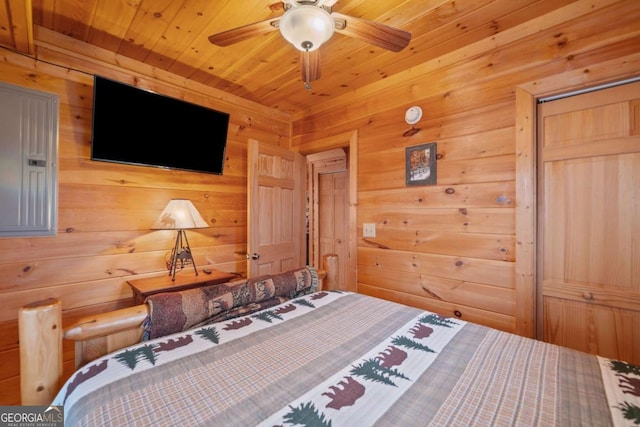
451	247
105	210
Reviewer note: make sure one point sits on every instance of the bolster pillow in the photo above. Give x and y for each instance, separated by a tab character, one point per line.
172	312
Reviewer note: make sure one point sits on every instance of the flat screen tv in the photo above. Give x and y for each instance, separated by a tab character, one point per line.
134	126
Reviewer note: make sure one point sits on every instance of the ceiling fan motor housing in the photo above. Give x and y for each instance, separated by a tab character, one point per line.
306	27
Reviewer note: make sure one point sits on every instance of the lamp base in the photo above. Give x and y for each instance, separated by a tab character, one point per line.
180	254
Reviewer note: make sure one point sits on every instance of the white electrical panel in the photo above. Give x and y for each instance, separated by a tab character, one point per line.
28	157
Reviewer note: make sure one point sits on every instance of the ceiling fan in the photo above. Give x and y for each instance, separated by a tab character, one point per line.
307	24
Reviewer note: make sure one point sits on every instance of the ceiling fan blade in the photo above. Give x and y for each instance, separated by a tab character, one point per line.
310	65
276	6
239	34
372	32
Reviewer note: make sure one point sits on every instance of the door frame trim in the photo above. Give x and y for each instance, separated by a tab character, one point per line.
527	95
348	140
330	161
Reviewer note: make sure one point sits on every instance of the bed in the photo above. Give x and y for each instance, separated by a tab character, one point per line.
336	358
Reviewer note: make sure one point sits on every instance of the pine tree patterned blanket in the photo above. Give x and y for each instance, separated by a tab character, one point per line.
333	358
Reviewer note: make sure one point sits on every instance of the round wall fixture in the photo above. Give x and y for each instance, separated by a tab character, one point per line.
413	115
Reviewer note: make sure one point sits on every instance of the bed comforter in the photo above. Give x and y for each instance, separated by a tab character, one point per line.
345	359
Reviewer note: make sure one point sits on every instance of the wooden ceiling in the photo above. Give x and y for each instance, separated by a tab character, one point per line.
172	35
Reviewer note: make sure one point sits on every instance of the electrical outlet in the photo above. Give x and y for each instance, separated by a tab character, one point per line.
369	229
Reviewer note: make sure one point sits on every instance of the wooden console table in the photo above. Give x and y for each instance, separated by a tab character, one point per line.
185	279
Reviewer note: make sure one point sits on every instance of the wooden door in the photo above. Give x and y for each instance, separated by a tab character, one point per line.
329	210
333	220
275	209
589	222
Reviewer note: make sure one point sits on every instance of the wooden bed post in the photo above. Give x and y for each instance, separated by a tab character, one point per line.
330	265
40	334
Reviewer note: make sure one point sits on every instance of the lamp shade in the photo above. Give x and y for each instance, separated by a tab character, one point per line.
179	214
306	27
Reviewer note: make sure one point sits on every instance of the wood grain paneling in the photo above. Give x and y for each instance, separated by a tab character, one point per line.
433	242
487	297
452	247
462	220
472	314
172	37
105	209
490	272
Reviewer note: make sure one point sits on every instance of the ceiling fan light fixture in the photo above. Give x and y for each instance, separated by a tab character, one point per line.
306	27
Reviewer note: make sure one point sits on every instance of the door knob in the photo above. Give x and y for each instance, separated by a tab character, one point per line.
253	256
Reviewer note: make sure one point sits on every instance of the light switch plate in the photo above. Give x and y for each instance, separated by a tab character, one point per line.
369	229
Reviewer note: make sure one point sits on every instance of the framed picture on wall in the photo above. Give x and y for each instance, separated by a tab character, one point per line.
421	164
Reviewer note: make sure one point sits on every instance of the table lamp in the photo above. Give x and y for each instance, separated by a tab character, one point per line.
181	215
